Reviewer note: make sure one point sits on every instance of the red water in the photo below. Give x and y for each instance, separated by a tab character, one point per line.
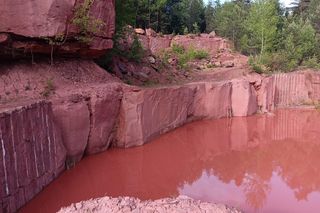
258	164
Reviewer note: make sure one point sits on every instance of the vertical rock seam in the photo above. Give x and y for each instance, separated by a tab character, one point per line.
31	153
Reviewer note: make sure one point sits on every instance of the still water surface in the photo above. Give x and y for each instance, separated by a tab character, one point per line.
261	163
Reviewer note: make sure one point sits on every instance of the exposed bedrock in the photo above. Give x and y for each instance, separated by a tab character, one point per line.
289	89
147	113
31	153
87	119
39	21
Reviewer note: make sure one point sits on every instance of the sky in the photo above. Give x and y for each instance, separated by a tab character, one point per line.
284	2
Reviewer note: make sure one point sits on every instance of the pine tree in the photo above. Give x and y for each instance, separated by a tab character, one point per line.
209	17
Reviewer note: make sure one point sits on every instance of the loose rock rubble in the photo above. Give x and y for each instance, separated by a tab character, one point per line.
180	204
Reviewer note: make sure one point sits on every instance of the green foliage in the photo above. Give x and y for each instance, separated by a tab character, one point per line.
196	29
49	88
86	24
255	65
136	51
183	55
185	31
261	25
229	21
300	40
209	14
198	54
312	62
178	49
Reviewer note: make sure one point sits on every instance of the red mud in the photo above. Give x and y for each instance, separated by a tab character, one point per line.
263	163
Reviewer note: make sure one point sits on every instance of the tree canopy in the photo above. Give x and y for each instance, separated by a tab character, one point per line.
263	29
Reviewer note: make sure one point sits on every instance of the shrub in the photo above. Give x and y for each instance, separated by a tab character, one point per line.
256	65
189	55
136	52
196	28
200	54
185	31
86	24
311	62
178	49
49	88
278	61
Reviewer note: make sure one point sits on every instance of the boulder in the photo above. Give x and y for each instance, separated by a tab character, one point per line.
212	34
151	60
151	33
227	64
139	31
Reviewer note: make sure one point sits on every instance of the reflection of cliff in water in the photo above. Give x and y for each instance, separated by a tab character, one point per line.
245	157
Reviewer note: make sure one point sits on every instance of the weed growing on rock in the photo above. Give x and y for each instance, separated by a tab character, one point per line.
86	24
49	88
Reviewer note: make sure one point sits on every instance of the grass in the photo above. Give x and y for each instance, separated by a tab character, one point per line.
48	89
184	55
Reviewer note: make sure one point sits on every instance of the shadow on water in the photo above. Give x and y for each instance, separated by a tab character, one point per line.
261	163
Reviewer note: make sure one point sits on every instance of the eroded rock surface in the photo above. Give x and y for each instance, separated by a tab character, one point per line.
128	204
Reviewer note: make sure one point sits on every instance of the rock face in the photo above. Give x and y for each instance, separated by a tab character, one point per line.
243	98
212	100
289	89
37	21
127	204
146	113
73	118
87	120
31	153
206	42
104	112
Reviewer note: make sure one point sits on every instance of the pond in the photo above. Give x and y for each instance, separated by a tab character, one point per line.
263	163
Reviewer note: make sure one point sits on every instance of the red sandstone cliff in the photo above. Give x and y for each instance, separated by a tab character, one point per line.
27	26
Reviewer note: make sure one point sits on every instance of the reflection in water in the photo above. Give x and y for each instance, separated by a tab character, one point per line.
259	164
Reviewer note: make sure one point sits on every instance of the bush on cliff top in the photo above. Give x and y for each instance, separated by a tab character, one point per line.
183	55
86	24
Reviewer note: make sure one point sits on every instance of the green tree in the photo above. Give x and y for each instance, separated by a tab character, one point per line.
209	14
261	25
229	21
195	14
300	41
